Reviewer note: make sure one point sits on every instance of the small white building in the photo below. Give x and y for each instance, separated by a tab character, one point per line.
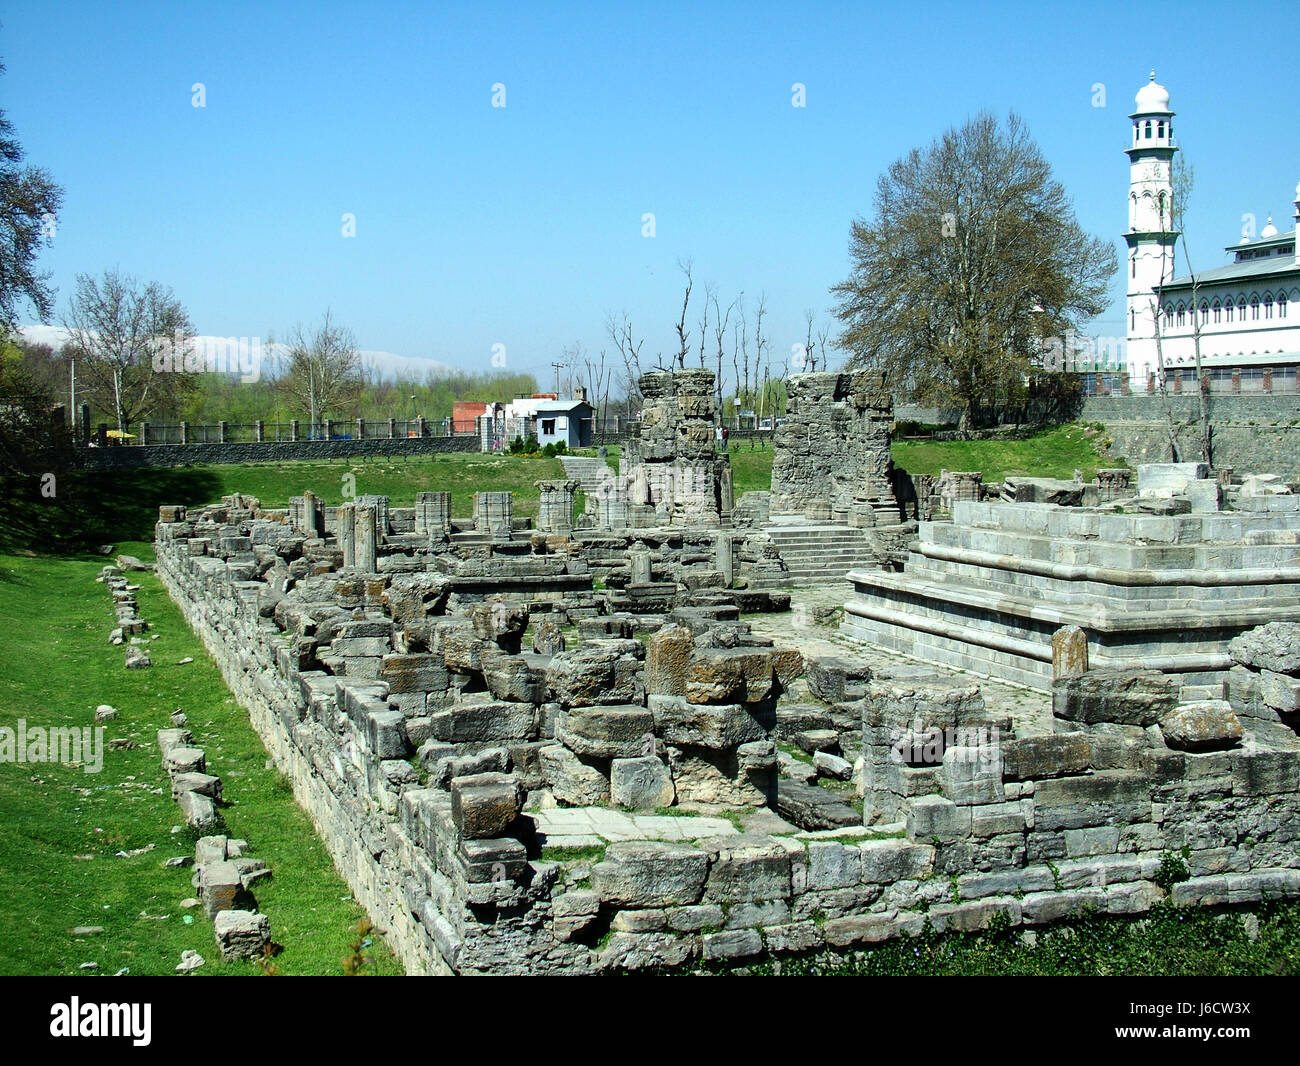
1245	310
550	420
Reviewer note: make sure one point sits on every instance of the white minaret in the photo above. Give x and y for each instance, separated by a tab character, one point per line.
1151	233
1296	216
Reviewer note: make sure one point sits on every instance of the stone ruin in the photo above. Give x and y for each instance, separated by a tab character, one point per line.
670	470
558	747
1159	578
831	460
501	791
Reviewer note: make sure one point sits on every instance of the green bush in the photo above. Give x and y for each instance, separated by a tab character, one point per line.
520	446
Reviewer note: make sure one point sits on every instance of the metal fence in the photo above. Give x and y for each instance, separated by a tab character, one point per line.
152	433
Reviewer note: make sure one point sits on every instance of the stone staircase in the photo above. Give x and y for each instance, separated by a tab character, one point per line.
819	555
589	472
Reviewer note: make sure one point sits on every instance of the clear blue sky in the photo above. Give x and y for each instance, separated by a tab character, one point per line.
522	225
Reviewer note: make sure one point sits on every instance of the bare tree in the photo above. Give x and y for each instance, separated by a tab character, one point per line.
683	334
629	350
720	320
323	374
131	342
709	296
1184	180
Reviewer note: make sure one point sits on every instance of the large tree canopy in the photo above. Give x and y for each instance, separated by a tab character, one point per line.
973	260
29	202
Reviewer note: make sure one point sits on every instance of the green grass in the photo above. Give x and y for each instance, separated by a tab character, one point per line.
101	506
63	826
1055	452
1168	942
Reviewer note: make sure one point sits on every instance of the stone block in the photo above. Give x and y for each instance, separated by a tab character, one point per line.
184	760
1207	725
197	810
715	726
1069	652
1049	755
1275	646
484	805
1264	773
492	860
833	865
605	732
643	873
730	675
1280	692
972	775
221	886
668	659
1120	696
933	817
242	934
641	783
747	867
571	780
732	945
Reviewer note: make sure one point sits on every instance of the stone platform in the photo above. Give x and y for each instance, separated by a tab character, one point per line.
986	591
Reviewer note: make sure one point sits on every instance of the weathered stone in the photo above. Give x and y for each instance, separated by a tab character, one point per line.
650	874
641	784
197	810
727	675
597	671
747	868
606	732
482	806
1280	692
242	934
1208	725
571	780
829	765
1069	652
1275	646
716	726
1050	755
732	944
812	808
221	886
1123	697
548	638
936	818
184	760
668	660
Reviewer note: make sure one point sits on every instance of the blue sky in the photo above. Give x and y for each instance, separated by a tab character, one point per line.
522	225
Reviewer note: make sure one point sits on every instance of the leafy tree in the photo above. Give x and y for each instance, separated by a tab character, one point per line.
132	345
973	258
29	206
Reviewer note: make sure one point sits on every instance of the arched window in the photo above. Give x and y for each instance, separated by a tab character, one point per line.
1133	265
1268	307
1227	307
1160	129
1254	308
1281	305
1205	312
1178	320
1132	320
1147	130
1217	310
1241	308
1169	315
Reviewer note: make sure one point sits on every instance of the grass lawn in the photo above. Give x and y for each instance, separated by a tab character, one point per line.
1055	452
63	827
104	506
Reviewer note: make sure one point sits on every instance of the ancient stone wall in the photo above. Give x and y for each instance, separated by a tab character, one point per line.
670	461
430	745
831	457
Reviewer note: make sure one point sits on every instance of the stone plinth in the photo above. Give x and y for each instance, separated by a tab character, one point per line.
366	546
492	514
987	591
555	506
433	513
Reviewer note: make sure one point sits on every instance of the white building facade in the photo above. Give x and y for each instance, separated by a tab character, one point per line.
1246	312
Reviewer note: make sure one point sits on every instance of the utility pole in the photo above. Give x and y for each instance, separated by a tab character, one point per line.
558	368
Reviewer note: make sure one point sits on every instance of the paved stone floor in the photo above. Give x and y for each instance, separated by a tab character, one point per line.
580	827
1030	710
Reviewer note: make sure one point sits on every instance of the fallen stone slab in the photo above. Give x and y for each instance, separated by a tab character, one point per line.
197	810
184	760
810	807
221	884
204	784
1275	646
241	934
